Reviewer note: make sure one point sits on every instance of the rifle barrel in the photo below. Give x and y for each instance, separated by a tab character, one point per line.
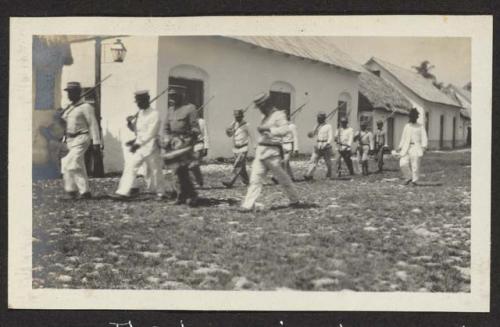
88	91
205	104
159	95
298	109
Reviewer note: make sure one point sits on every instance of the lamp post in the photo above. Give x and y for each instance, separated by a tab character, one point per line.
118	52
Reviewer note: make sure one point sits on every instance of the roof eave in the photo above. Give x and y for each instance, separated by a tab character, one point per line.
292	55
388	70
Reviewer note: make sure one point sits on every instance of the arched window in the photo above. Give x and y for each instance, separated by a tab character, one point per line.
282	95
344	105
194	79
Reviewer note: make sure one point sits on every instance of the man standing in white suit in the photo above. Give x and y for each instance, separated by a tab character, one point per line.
411	148
144	149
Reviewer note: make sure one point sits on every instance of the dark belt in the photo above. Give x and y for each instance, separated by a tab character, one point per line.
72	135
240	146
183	134
276	145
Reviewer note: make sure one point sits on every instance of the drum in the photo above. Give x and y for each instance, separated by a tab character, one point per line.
179	149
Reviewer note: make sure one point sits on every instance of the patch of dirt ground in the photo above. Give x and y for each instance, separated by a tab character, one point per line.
365	234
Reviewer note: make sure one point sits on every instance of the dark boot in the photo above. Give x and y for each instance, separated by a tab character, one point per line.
186	187
228	184
85	196
197	175
70	196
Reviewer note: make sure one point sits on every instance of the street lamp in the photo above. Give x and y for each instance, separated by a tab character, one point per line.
118	51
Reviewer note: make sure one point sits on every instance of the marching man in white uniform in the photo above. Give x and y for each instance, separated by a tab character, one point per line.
365	147
323	147
411	148
81	128
269	153
239	131
144	149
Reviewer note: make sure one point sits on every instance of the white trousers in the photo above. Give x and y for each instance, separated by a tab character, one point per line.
410	163
153	173
260	167
73	165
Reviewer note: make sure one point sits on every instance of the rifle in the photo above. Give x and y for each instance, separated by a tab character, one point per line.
330	115
392	114
159	95
248	107
133	118
205	104
296	111
334	111
62	111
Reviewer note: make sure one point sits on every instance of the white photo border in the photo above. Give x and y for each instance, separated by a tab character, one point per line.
20	292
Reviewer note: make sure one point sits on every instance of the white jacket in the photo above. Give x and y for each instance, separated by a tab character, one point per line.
147	126
292	136
278	125
414	135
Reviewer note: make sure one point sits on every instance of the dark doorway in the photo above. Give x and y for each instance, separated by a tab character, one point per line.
427	123
342	111
194	90
281	100
441	132
469	136
453	139
390	132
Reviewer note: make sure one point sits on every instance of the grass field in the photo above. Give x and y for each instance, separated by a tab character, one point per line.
367	234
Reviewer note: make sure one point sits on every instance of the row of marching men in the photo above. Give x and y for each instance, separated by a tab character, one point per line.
368	144
179	139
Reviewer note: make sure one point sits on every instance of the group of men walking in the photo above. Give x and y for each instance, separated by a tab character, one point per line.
179	139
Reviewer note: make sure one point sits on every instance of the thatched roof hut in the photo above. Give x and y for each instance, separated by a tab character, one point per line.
375	93
416	83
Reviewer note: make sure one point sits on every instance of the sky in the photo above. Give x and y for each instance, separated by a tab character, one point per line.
450	56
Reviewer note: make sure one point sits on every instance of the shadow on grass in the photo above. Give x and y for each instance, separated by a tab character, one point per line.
210	202
391	169
428	183
207	188
301	206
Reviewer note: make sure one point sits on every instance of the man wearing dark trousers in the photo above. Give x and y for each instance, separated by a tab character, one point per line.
344	138
239	132
380	145
179	130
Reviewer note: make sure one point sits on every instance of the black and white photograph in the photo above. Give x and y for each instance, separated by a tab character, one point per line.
254	164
